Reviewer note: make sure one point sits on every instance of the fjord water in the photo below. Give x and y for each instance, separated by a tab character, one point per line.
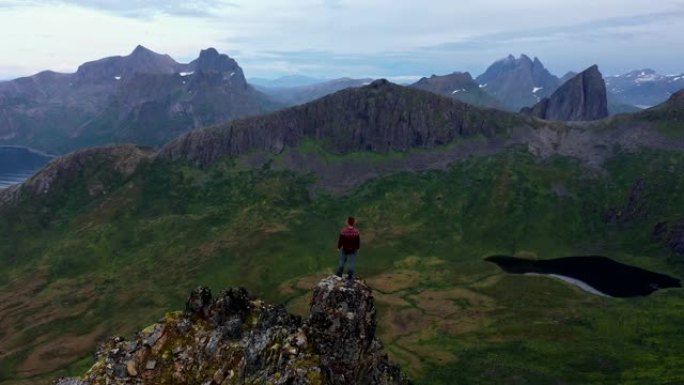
598	275
18	164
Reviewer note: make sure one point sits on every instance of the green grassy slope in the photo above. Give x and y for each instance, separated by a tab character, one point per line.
77	269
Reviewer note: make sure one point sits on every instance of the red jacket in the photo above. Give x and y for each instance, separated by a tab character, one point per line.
349	240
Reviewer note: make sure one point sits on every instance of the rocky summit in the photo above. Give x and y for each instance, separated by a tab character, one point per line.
581	98
234	338
518	82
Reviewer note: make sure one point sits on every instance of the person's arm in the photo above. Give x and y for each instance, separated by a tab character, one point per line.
339	242
358	241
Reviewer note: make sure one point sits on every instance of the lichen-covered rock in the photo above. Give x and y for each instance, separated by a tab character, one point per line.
236	339
342	329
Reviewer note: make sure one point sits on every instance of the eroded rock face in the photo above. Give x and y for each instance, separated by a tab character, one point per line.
342	329
581	98
236	339
379	117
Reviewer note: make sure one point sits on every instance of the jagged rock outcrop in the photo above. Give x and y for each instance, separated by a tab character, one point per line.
379	117
581	98
518	82
460	86
342	330
236	339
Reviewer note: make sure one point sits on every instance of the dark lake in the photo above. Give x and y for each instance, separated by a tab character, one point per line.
18	164
599	275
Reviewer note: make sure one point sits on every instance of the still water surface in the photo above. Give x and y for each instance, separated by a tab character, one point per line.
18	164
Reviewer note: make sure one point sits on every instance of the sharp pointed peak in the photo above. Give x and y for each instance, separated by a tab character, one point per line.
140	49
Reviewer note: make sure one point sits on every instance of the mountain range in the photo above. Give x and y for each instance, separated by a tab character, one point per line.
144	97
644	88
103	240
148	98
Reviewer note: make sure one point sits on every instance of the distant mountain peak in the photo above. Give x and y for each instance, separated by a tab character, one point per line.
581	98
140	60
209	52
141	50
518	82
460	86
379	83
210	60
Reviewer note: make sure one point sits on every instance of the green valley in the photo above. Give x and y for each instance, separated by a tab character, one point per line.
110	252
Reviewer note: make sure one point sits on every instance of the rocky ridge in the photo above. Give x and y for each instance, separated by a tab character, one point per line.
581	98
63	172
379	117
234	338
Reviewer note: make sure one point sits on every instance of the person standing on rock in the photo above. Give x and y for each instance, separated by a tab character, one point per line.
348	244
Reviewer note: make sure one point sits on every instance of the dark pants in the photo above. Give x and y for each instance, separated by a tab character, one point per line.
344	256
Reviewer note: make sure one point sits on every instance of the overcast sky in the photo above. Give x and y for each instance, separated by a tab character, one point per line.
358	38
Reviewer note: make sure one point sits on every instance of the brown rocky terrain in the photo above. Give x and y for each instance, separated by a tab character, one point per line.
237	339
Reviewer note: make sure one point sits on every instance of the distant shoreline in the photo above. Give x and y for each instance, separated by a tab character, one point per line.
29	149
574	281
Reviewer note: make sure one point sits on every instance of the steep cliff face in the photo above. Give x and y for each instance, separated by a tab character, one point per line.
460	86
379	117
237	339
581	98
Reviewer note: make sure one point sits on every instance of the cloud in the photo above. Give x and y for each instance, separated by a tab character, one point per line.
358	38
612	42
136	8
600	29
